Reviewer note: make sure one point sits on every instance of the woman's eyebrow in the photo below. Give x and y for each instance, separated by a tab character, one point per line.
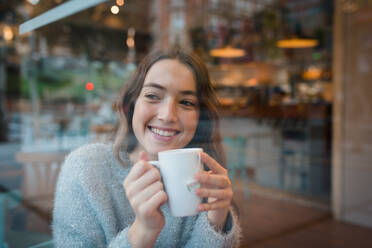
188	92
160	87
153	85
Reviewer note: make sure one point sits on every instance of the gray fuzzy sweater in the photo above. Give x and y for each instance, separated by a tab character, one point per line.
92	210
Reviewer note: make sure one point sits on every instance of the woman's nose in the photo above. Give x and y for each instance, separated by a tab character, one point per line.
168	111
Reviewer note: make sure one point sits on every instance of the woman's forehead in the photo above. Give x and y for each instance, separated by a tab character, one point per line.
171	72
169	65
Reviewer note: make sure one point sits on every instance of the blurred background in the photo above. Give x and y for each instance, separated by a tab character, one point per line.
294	82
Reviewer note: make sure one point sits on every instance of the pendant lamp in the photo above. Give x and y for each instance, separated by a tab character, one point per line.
227	52
296	43
297	40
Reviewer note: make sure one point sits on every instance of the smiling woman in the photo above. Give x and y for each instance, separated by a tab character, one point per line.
114	189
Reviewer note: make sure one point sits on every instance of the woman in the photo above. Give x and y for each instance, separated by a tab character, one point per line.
110	196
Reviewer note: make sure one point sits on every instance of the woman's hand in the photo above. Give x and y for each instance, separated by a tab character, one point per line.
146	194
216	185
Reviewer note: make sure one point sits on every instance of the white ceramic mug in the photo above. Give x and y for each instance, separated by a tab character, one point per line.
178	168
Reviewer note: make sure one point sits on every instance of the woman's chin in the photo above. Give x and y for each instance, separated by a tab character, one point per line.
153	151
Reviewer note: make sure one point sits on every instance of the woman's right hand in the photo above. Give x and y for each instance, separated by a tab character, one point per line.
146	194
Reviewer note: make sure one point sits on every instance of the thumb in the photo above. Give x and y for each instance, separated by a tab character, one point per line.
143	156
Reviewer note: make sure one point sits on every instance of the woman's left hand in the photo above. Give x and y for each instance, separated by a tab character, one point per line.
216	186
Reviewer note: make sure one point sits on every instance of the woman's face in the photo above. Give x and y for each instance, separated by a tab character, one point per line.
166	112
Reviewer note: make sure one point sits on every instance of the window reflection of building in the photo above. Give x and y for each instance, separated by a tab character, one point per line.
252	86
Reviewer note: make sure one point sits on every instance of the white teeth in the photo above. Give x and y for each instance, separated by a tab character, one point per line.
162	132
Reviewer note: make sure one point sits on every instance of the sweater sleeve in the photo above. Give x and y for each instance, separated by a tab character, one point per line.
77	222
204	235
121	240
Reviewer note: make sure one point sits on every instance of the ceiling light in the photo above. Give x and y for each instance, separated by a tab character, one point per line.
114	9
8	33
119	2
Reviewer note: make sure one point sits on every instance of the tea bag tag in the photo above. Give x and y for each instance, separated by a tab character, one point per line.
192	186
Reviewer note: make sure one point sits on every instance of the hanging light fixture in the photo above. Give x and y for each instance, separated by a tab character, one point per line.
227	52
298	40
297	43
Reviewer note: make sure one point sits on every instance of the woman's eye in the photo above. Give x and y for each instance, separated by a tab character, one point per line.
188	103
152	97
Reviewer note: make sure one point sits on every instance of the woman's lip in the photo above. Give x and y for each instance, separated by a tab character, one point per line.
164	129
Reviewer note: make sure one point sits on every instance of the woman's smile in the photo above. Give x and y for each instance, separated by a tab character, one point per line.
166	132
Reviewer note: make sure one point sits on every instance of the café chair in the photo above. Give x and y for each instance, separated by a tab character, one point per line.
237	159
294	169
41	171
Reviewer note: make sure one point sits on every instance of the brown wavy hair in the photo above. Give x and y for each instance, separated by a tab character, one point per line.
207	134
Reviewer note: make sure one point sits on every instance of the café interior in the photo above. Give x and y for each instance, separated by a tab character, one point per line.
293	79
